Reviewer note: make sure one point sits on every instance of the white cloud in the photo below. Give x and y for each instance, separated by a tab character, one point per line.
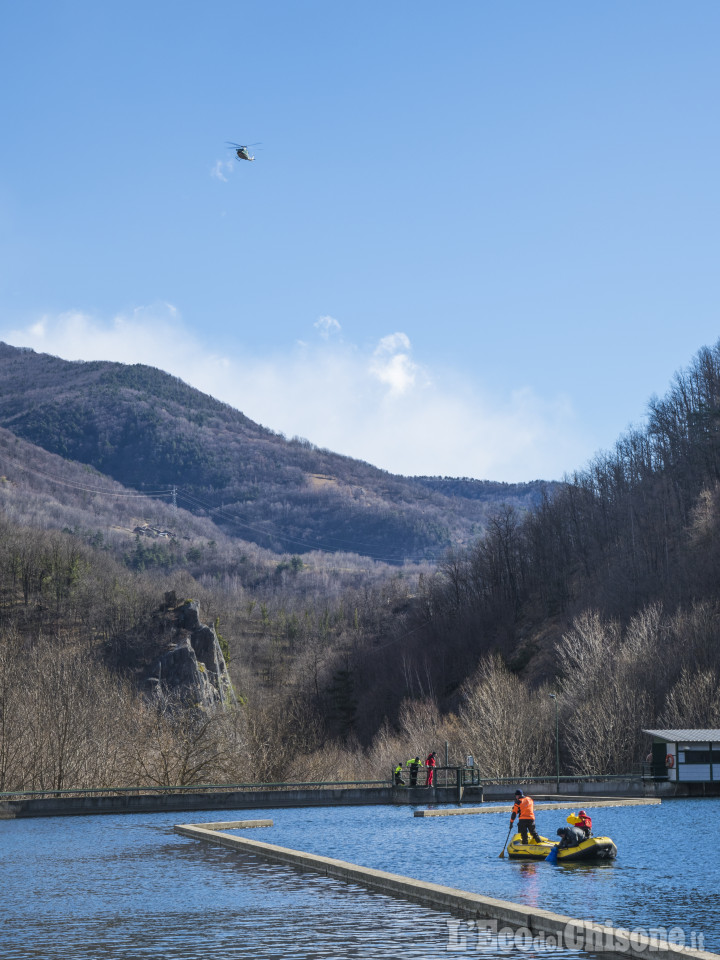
327	325
392	344
375	403
391	364
221	168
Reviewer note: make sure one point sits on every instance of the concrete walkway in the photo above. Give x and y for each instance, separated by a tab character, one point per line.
507	808
504	919
193	801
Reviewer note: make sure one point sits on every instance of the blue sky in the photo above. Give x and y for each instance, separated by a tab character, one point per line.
476	239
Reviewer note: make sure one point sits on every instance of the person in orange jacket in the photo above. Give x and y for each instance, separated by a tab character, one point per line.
523	808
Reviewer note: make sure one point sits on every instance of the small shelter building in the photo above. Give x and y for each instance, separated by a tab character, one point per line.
686	756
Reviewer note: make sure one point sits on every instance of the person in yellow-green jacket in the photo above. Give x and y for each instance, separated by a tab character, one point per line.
399	782
524	809
414	763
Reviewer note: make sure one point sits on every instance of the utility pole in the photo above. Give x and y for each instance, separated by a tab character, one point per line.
174	496
553	696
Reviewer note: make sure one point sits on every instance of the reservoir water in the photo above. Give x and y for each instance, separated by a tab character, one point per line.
122	887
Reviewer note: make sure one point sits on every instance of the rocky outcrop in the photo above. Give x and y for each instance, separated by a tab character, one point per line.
192	671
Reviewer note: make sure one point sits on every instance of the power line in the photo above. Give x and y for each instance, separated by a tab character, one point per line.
351	546
175	492
75	485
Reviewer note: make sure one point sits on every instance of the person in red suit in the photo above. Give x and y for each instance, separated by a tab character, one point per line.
430	764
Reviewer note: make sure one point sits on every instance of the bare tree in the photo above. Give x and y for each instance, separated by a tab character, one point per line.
507	726
604	693
694	701
177	747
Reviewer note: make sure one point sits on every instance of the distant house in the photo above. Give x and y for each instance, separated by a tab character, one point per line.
686	756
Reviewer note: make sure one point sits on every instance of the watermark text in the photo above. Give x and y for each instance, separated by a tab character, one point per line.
476	936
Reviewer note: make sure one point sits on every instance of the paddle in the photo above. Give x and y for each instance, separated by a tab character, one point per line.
552	856
505	844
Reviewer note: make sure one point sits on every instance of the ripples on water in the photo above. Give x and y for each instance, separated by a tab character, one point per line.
116	888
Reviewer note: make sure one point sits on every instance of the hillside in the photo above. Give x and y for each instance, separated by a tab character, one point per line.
85	561
610	590
606	596
41	491
151	432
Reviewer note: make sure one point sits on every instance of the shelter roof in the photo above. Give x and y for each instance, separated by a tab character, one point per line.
687	736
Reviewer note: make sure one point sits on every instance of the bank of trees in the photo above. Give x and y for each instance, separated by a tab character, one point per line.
610	588
639	524
605	596
661	669
72	715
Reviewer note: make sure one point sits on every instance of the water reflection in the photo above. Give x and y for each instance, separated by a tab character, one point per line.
127	887
531	886
120	888
462	852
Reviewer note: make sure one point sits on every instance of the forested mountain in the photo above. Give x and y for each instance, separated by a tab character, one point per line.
606	595
610	589
151	432
638	525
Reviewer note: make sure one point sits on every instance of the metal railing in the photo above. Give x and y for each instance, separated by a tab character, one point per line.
648	770
445	777
569	778
184	788
442	777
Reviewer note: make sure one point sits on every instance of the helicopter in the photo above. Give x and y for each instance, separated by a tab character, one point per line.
241	150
